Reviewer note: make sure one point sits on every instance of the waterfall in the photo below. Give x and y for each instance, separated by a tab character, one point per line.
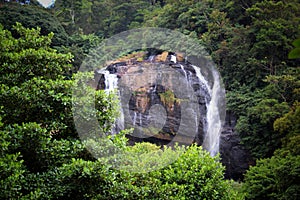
185	75
210	92
154	89
138	122
140	117
202	79
111	81
214	125
173	59
134	118
151	58
111	84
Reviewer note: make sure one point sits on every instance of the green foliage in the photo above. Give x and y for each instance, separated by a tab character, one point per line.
261	83
256	128
273	178
277	34
268	110
80	46
31	79
28	56
44	101
285	87
104	18
52	169
289	122
195	175
12	174
243	98
187	16
218	30
258	111
34	92
38	136
146	157
28	150
168	98
288	125
248	53
295	53
32	17
32	86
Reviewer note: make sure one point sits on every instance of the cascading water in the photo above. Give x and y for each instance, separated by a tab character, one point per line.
140	117
173	59
212	138
209	92
111	85
214	125
134	119
182	68
111	81
151	58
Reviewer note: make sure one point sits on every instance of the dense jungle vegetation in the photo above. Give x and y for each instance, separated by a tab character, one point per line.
255	44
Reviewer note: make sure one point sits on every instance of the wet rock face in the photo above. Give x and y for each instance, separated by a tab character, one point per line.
158	84
234	156
153	89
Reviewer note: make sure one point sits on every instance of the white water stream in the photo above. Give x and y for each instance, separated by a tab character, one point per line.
212	136
111	81
214	125
111	85
182	68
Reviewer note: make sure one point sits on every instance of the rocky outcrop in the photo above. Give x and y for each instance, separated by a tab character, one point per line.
152	82
148	83
234	156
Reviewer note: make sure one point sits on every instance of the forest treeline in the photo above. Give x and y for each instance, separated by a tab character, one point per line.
255	45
